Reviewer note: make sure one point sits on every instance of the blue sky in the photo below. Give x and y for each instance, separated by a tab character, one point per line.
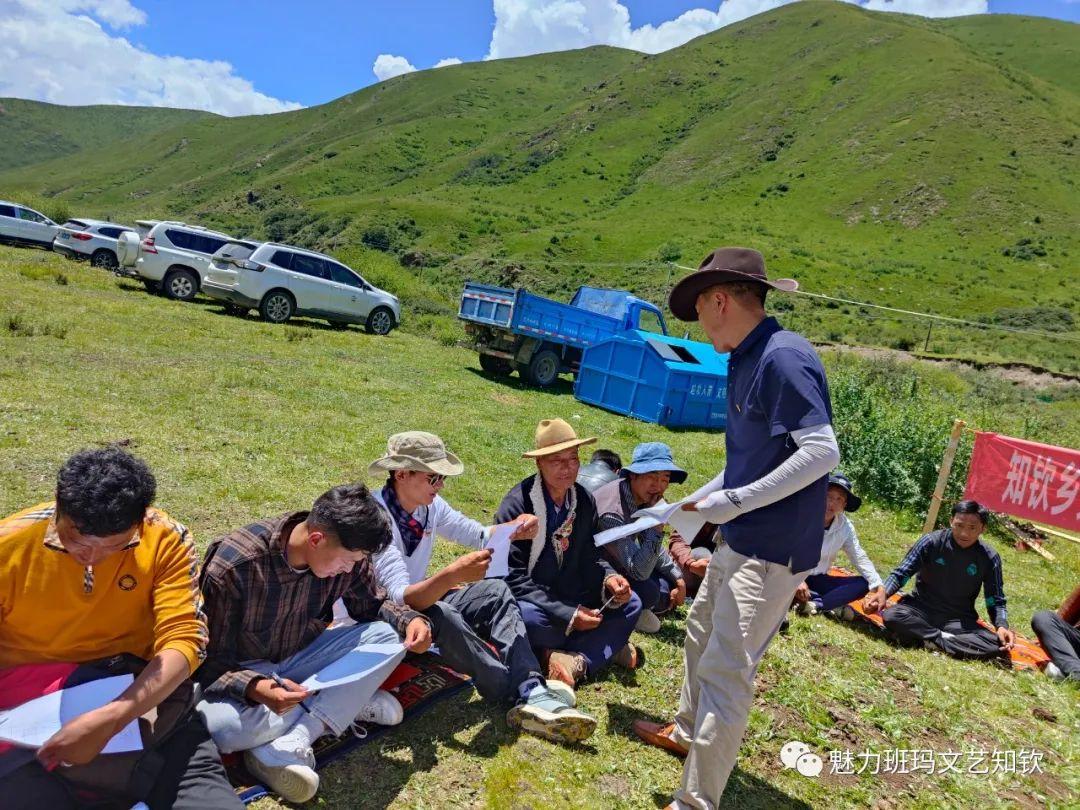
243	56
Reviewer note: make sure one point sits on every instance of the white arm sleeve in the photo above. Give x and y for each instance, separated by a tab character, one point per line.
391	573
860	559
708	489
817	454
457	528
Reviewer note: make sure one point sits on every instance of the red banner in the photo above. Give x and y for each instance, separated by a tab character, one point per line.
1033	481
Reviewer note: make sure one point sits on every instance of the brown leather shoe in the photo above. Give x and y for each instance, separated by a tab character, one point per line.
660	735
629	657
570	668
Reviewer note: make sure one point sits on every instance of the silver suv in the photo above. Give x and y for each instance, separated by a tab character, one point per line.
174	256
282	280
91	239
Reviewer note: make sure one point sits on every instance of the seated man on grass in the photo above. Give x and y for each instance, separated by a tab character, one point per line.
1059	634
822	591
476	622
96	574
950	567
693	555
578	611
642	558
269	590
603	467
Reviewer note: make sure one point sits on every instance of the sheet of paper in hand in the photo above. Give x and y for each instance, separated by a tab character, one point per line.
32	723
372	659
499	543
687	524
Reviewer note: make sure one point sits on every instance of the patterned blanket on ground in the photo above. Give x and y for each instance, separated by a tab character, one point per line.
418	683
1026	654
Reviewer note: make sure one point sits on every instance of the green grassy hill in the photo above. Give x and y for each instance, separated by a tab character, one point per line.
924	164
31	131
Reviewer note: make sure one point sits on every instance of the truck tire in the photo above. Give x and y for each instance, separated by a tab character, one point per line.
495	365
543	368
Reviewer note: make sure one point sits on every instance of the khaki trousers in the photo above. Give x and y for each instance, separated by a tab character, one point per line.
735	615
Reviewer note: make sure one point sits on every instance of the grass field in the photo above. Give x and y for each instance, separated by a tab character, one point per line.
240	420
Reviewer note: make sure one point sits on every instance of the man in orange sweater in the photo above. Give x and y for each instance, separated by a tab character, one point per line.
95	574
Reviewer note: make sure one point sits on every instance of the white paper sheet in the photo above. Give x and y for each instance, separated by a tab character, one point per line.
663	512
499	543
34	722
371	659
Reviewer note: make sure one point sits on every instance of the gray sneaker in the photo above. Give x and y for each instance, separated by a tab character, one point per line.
1052	671
544	714
562	692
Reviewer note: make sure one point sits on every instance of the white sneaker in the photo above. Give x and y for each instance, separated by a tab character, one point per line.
544	714
1052	671
648	622
562	691
807	608
384	709
290	773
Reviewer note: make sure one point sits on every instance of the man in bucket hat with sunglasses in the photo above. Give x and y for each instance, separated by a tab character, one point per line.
769	500
470	614
578	610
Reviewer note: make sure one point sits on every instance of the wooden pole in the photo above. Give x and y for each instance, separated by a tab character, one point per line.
1057	533
943	475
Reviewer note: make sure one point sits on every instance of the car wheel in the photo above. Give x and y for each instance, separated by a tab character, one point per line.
277	306
543	369
495	365
104	259
380	321
180	285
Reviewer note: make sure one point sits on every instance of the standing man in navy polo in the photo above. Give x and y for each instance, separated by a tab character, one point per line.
769	500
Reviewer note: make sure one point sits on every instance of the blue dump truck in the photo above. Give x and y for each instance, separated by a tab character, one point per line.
515	330
615	345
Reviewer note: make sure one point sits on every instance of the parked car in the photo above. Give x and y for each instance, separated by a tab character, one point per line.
20	225
90	239
281	281
173	257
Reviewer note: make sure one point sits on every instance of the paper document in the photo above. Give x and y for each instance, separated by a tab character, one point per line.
499	543
34	722
371	659
687	524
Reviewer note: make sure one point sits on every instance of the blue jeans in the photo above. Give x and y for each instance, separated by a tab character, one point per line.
598	646
655	593
828	592
237	726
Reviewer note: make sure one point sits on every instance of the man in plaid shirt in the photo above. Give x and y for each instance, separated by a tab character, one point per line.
269	590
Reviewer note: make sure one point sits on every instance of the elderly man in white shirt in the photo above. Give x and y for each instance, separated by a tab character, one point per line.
821	591
470	615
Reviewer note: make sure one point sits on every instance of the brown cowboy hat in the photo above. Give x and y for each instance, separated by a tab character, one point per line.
554	436
723	264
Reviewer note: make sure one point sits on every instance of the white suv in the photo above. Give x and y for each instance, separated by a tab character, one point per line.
20	225
281	281
91	239
175	256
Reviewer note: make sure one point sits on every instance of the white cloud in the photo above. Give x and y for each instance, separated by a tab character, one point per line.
452	60
525	27
387	66
59	51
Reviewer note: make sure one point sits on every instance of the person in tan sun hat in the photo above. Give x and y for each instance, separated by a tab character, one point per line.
579	612
470	614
